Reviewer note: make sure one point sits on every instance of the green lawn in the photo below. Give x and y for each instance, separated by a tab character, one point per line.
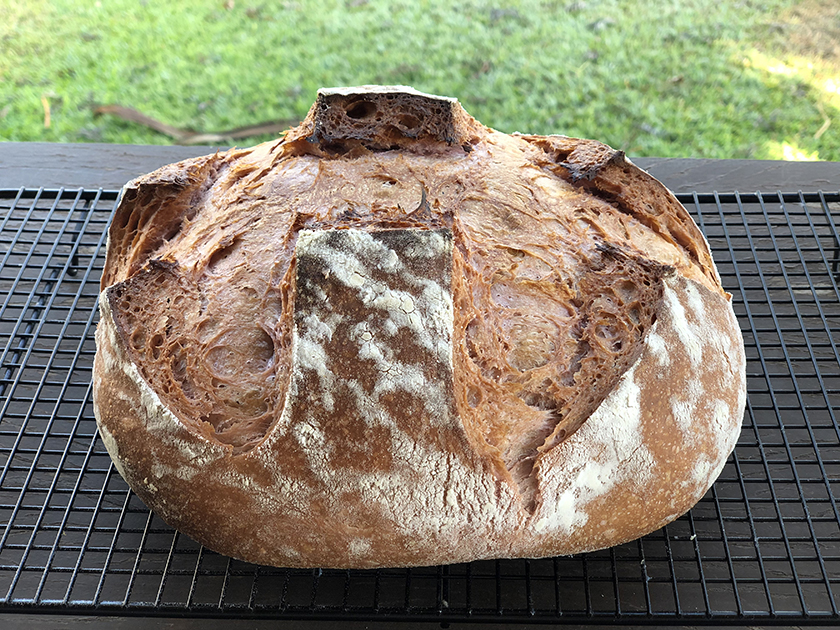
691	78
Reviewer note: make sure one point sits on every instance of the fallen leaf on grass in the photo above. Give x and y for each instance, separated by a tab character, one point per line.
188	136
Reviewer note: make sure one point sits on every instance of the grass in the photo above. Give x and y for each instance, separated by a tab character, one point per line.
683	78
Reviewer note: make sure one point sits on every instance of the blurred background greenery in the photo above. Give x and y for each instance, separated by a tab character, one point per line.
683	78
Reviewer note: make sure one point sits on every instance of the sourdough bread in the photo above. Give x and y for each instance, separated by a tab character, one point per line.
396	337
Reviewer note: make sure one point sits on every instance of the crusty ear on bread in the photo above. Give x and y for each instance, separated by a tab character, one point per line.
396	337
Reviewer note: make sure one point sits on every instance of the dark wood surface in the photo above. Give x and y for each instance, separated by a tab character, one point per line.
34	164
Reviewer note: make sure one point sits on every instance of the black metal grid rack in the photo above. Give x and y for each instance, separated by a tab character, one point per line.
762	546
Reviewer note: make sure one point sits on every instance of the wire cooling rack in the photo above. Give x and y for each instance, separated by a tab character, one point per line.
762	546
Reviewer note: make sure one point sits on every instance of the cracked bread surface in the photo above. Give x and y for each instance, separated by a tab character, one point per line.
396	337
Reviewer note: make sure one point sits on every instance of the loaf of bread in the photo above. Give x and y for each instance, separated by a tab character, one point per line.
396	337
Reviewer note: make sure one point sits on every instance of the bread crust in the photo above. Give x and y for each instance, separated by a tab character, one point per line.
501	247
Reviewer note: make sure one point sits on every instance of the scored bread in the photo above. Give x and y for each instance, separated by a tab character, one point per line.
396	337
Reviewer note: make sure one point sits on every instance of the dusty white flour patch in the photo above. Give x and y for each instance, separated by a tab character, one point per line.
419	503
316	448
718	469
284	493
424	504
372	413
359	547
408	377
695	301
683	413
657	346
162	471
685	330
685	406
451	497
564	514
702	472
695	390
742	403
605	451
721	419
434	244
310	436
352	256
594	477
311	355
321	330
362	333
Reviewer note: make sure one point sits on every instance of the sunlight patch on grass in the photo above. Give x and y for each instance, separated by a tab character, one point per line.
832	86
810	86
822	77
790	152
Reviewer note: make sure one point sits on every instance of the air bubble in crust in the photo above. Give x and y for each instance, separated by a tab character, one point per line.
474	396
218	257
360	110
409	122
471	334
156	345
138	339
626	290
241	351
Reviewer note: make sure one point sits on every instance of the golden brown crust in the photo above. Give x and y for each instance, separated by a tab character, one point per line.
412	336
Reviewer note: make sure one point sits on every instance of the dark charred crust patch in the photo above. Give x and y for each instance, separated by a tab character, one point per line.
582	160
614	252
588	160
422	217
381	119
660	213
349	123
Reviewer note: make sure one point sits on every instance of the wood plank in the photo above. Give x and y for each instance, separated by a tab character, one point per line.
84	165
34	164
702	175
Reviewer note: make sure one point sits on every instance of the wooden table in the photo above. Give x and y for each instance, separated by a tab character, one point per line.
34	164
